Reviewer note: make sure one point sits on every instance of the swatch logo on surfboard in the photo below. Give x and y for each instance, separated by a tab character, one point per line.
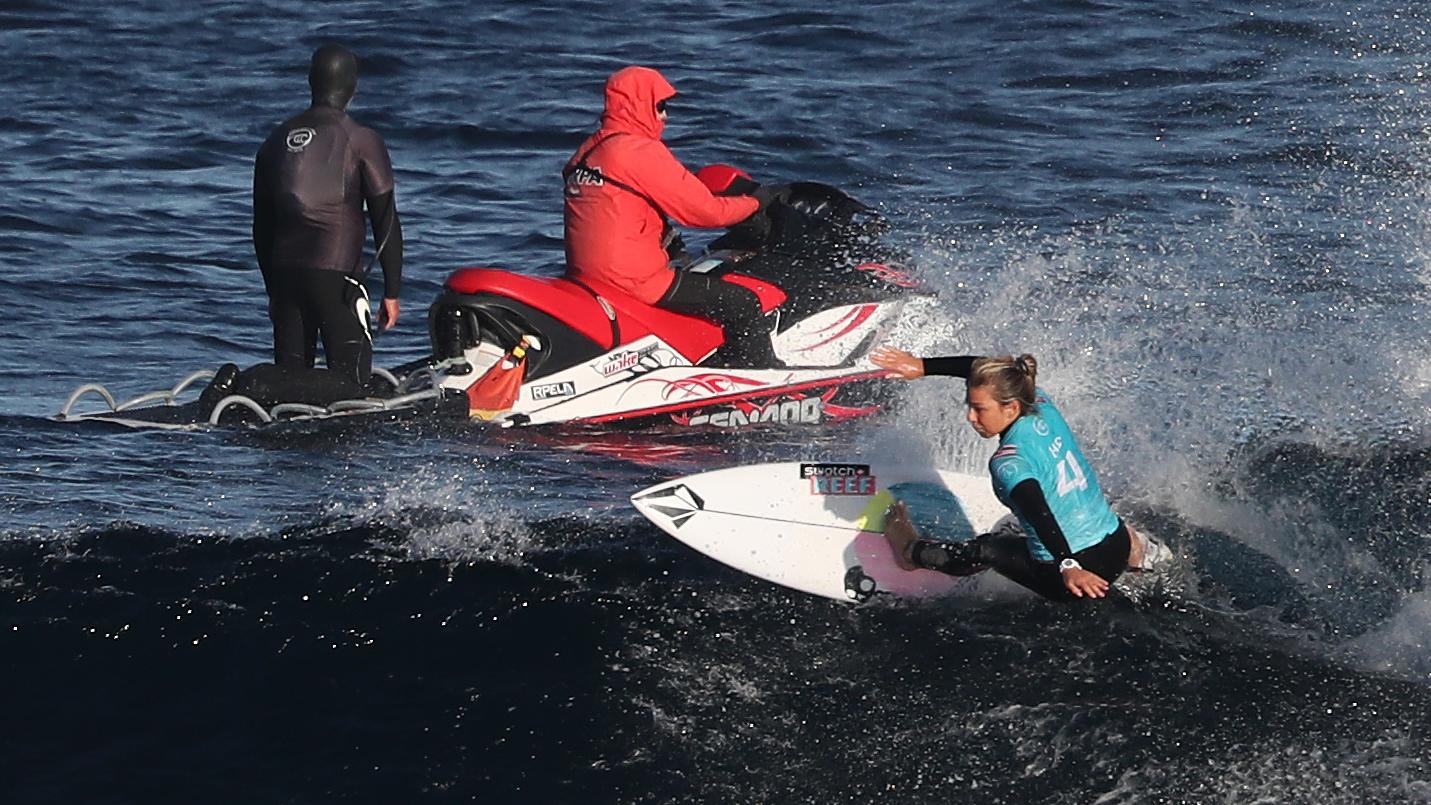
839	479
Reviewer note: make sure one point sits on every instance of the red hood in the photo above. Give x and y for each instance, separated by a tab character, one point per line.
631	97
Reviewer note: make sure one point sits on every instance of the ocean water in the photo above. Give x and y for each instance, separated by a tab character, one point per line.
1210	221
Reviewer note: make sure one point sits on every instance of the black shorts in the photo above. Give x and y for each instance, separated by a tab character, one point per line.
1006	550
306	303
1007	553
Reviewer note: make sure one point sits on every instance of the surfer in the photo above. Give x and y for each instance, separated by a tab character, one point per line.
622	186
1071	543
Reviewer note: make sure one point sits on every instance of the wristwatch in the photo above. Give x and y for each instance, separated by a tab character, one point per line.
1069	564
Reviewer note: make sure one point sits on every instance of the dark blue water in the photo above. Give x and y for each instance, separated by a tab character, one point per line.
1208	220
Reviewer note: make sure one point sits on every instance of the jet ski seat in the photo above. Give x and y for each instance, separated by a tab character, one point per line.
598	311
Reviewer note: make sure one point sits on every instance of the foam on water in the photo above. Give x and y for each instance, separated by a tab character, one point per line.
1211	223
1197	360
451	515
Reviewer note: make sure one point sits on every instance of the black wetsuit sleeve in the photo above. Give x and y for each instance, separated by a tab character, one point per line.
263	224
387	232
1028	500
958	366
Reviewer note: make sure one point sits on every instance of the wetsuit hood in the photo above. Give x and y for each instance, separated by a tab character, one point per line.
631	97
333	76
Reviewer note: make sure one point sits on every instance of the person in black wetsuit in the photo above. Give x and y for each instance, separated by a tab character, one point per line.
312	178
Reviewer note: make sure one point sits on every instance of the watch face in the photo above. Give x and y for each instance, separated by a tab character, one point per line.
1068	564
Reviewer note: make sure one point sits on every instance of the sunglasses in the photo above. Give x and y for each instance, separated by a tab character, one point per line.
660	107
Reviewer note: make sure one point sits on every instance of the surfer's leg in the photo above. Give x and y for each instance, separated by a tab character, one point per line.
1008	554
1146	554
1136	547
901	535
1110	557
953	558
912	552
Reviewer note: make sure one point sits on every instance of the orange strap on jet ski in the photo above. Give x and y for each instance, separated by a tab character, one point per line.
494	393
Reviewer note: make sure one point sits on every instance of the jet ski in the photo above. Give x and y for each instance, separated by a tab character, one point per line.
519	350
528	350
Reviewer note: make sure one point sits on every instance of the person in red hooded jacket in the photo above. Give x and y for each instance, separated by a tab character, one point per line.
623	187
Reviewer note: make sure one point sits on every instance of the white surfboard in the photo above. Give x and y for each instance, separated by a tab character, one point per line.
818	527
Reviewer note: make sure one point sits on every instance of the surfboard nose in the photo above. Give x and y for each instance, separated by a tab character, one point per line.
669	505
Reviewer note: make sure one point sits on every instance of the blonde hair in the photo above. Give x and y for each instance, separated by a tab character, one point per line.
1008	379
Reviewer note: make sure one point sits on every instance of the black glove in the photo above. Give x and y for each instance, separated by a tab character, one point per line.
768	194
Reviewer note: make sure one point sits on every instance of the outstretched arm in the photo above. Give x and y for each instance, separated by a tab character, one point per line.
906	365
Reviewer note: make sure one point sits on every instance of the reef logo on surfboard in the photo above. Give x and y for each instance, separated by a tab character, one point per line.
839	479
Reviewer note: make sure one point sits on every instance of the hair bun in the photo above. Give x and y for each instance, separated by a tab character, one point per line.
1026	365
